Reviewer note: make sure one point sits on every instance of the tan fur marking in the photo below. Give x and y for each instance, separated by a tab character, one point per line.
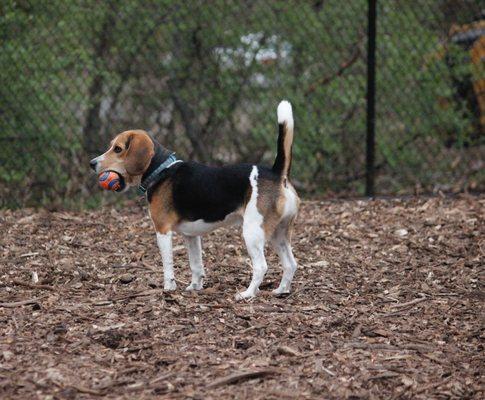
271	204
131	163
162	211
287	145
139	152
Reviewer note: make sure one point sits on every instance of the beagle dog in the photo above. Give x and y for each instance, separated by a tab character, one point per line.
193	199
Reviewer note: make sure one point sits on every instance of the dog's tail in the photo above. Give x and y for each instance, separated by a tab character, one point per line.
282	163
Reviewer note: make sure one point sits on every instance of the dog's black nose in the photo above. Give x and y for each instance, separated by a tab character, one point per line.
92	164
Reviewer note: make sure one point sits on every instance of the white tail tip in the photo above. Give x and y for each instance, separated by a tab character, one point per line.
285	114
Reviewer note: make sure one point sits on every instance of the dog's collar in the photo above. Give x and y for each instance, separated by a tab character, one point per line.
155	175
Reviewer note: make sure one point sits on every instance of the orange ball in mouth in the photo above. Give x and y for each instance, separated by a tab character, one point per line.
110	180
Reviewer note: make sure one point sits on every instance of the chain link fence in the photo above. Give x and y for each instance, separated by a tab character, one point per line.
205	77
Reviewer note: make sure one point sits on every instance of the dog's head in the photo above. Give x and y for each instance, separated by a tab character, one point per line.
129	155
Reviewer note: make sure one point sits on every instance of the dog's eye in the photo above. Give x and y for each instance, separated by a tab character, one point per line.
117	149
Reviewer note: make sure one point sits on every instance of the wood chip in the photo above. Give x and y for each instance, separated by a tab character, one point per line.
19	303
410	303
330	338
242	376
32	285
384	375
288	351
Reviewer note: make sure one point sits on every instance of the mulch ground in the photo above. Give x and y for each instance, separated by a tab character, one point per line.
387	303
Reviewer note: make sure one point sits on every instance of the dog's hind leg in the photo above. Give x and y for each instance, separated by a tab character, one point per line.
195	260
254	238
280	242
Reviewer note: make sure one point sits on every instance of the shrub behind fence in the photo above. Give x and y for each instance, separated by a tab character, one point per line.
205	77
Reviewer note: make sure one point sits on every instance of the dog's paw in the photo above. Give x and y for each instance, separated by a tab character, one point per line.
281	290
170	285
194	286
247	294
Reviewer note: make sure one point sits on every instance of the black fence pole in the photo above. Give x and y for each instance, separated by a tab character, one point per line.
371	99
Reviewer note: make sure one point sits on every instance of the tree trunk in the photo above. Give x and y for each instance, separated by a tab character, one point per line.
92	125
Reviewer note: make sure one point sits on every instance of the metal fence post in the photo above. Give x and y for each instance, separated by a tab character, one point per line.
371	101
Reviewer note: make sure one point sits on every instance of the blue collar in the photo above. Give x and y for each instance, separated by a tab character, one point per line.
153	177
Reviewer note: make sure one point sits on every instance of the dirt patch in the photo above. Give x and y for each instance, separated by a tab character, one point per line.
387	303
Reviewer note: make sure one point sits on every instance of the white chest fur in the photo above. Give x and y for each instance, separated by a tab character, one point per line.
200	227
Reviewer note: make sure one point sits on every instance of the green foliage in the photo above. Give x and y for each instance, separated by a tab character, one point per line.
205	78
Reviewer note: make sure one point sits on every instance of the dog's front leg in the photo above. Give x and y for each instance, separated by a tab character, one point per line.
165	245
195	260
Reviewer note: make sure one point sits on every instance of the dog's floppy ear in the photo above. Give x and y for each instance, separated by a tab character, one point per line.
139	152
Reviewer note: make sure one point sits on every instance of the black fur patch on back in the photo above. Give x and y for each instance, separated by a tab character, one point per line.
211	193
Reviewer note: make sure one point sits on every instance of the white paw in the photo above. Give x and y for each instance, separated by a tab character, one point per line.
170	285
247	294
281	290
194	286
